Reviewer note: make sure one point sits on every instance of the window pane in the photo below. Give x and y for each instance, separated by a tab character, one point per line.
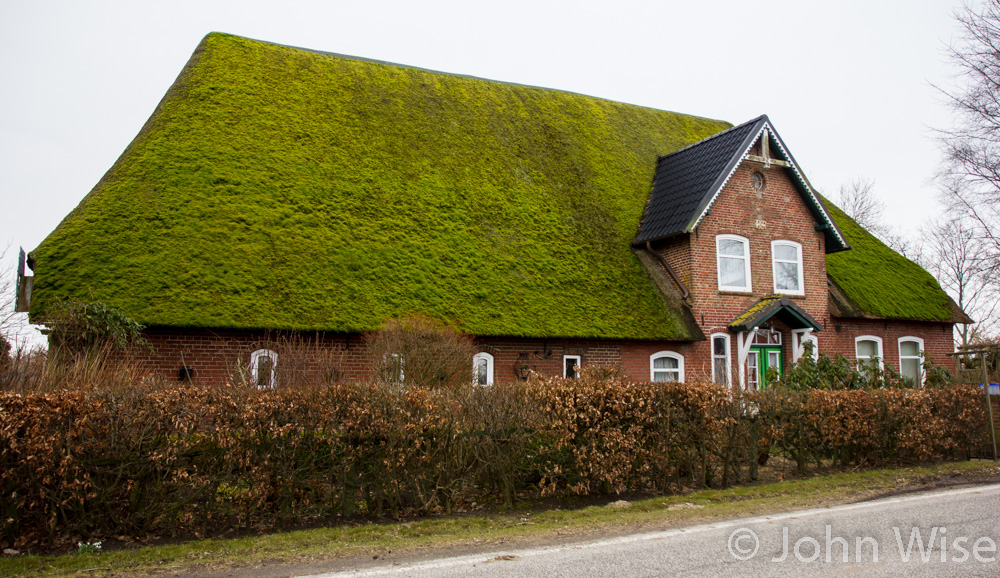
719	346
264	371
867	348
909	348
732	272
786	252
662	376
721	371
482	371
665	363
787	276
731	247
910	368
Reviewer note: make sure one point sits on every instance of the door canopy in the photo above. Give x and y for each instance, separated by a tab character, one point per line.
776	306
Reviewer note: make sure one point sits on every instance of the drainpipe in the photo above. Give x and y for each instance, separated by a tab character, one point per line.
673	275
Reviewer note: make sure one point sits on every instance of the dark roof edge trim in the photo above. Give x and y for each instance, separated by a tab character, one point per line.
734	163
731	166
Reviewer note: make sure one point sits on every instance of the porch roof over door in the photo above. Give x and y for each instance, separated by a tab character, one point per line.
774	306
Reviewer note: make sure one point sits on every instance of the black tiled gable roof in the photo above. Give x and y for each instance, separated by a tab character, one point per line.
685	180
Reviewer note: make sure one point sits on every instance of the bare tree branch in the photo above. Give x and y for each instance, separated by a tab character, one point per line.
971	172
957	256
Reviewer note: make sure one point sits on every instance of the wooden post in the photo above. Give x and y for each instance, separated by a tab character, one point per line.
989	404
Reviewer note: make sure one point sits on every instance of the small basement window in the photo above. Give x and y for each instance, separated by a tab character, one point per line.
666	366
185	373
262	365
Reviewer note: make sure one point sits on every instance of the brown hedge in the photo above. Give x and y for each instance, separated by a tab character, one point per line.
196	461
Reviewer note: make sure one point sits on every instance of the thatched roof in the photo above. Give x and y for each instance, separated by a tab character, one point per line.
873	281
277	187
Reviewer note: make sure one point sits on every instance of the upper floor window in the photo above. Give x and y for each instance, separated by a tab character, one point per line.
666	366
720	359
482	369
911	360
571	366
733	256
262	364
786	257
868	350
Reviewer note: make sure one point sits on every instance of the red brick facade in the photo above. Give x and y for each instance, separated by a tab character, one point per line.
772	213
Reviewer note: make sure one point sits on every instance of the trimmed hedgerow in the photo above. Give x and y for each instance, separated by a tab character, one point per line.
90	463
280	187
879	281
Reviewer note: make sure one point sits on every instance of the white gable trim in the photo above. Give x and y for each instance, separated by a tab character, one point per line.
764	130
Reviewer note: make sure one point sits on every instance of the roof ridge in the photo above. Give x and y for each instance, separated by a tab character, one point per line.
452	74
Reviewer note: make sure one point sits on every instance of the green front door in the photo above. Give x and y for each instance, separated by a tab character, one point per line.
759	362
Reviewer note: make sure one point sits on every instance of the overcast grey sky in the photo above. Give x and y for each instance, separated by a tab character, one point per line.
846	83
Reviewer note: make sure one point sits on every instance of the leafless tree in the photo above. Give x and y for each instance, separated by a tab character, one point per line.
13	326
859	201
957	255
971	172
8	282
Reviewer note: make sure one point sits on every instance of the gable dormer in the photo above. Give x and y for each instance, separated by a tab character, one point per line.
688	181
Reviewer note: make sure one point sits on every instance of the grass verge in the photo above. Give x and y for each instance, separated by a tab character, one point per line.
326	546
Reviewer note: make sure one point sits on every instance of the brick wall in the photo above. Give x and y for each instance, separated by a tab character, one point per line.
938	338
216	356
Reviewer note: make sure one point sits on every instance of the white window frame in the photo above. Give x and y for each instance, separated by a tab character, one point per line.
811	338
881	351
255	360
920	355
579	364
671	354
798	262
729	358
746	263
482	355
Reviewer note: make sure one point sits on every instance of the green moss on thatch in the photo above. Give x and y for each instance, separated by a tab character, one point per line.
754	310
276	187
879	281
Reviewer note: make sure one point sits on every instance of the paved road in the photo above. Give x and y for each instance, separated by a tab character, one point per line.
943	533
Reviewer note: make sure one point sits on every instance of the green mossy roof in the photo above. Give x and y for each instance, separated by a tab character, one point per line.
276	187
880	282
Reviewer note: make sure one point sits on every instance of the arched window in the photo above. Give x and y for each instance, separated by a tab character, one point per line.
262	365
482	369
786	264
911	359
666	366
732	254
720	359
868	351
